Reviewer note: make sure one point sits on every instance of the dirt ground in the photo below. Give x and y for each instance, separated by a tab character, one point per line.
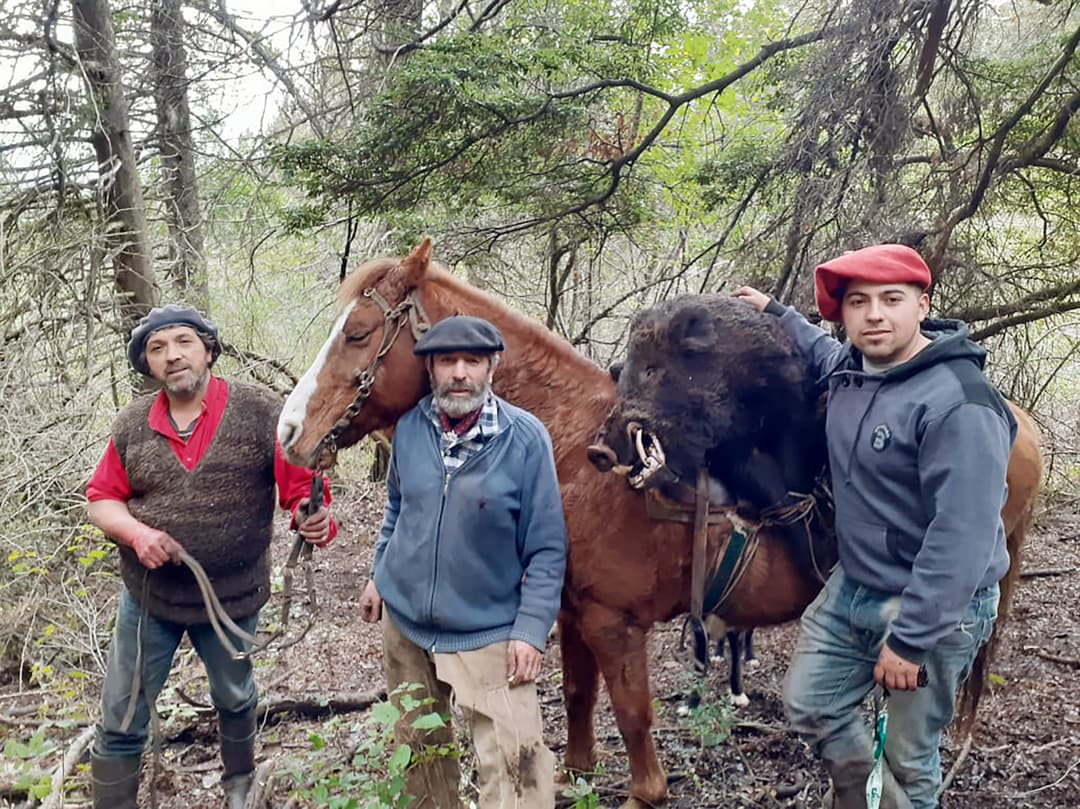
1026	751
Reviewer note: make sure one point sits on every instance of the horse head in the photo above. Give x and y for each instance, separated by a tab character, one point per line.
365	376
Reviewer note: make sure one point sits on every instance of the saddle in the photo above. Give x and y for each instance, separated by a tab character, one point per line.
714	577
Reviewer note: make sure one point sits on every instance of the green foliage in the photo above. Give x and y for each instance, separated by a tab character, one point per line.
22	756
583	795
528	118
710	722
375	774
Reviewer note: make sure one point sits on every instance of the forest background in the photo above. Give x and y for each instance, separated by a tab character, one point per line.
580	158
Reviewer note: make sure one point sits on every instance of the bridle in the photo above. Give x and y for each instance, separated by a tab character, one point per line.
393	322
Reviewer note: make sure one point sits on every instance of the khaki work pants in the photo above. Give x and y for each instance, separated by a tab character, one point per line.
516	769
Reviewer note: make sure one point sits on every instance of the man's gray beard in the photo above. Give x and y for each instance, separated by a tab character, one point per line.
188	391
456	407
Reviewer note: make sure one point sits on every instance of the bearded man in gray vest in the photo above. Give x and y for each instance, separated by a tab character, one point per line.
190	468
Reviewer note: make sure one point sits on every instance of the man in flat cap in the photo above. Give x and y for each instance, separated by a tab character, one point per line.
919	441
469	565
192	467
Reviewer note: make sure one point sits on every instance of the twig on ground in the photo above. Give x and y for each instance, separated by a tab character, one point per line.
1050	745
190	700
71	758
1048	571
262	784
763	727
1072	662
1051	785
961	757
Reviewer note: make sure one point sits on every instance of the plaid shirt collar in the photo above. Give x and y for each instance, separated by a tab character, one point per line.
486	426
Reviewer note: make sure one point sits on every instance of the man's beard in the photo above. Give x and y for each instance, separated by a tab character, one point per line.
188	390
457	406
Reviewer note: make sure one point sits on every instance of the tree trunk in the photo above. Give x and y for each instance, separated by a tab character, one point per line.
120	194
187	264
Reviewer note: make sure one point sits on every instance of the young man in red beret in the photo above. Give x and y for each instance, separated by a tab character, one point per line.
919	442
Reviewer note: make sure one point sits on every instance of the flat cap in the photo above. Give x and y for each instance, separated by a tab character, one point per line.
165	317
460	333
880	264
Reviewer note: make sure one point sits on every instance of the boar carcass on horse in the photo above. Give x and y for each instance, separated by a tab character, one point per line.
709	382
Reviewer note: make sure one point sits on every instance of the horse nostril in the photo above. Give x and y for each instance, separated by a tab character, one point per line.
287	433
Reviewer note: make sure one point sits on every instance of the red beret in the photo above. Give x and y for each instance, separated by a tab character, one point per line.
880	264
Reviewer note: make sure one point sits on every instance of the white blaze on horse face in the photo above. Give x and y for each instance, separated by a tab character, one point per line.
291	421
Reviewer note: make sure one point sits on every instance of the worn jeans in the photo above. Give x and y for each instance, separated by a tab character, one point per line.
832	672
516	769
232	685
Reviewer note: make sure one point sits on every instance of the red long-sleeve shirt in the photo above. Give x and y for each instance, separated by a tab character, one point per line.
110	480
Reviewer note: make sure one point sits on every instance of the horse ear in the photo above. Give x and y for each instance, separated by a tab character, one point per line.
692	329
416	263
615	371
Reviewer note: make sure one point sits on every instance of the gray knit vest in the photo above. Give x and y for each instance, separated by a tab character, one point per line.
221	512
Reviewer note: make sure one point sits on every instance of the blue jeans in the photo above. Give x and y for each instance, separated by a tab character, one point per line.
832	672
232	685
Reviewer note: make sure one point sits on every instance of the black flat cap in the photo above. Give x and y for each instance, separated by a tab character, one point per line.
460	333
165	317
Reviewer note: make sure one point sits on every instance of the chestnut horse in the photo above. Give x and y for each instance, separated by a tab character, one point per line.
624	572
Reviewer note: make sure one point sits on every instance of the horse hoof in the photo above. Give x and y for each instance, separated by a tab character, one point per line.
740	700
637	803
753	663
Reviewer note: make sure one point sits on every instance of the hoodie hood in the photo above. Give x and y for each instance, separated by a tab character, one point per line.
949	340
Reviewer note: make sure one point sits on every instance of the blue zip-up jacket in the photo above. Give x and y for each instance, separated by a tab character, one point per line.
918	458
474	556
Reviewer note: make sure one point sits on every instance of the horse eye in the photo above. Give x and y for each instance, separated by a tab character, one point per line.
357	339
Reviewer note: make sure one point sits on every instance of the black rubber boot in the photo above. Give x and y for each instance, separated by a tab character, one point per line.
848	790
115	781
237	732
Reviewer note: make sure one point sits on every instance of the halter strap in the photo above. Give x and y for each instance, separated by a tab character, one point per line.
364	380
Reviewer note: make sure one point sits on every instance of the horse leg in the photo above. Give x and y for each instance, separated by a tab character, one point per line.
580	683
735	641
620	651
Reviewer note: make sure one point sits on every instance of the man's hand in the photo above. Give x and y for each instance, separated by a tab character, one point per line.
371	603
315	528
522	663
894	672
759	300
154	548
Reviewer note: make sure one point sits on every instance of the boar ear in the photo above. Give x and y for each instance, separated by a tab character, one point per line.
692	330
615	370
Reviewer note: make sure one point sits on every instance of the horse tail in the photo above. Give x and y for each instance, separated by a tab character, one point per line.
1024	477
971	691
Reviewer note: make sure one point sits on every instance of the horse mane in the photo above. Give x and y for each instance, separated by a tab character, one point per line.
366	275
448	290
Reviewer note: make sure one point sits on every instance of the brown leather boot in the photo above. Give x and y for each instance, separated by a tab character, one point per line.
237	733
115	781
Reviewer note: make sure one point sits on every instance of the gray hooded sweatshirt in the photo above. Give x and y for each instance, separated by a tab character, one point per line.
918	457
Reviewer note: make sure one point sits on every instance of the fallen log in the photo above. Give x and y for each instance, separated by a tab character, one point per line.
320	706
